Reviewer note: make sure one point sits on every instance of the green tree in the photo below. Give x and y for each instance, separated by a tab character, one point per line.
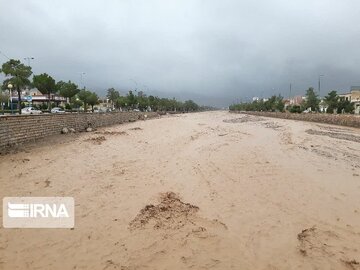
67	89
331	100
131	99
84	96
112	95
259	105
143	103
312	101
270	103
4	97
92	100
279	103
190	105
120	102
16	74
295	109
76	102
46	85
153	103
345	106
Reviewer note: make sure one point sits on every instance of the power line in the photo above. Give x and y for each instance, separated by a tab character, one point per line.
29	58
5	55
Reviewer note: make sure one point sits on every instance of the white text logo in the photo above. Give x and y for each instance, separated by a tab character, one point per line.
34	210
38	212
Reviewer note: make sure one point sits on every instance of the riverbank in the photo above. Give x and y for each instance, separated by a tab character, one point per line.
332	119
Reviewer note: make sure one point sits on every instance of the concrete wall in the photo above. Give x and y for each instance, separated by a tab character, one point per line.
18	129
334	119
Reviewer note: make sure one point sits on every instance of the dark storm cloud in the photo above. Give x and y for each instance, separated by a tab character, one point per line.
218	51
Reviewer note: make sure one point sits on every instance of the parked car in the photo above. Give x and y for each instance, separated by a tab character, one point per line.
30	110
57	110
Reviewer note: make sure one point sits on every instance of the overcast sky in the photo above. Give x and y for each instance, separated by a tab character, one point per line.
217	51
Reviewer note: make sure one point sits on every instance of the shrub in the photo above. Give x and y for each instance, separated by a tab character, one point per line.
295	109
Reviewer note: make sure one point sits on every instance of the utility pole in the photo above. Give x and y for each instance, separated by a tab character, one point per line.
290	91
320	83
29	58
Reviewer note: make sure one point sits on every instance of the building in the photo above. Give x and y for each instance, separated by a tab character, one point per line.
354	97
35	97
297	100
346	96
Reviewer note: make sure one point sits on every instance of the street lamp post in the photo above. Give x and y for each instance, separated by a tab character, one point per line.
1	101
77	104
29	59
10	86
81	79
320	83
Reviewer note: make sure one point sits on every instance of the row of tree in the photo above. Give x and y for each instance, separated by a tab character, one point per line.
18	76
143	102
332	102
274	103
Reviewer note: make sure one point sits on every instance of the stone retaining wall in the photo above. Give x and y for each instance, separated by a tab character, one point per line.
17	129
333	119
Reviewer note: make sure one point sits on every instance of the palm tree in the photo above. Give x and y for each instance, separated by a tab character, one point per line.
18	75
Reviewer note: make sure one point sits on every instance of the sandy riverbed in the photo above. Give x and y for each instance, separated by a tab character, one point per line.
209	190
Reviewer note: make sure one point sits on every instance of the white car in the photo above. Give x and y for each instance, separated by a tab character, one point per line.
57	110
30	110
